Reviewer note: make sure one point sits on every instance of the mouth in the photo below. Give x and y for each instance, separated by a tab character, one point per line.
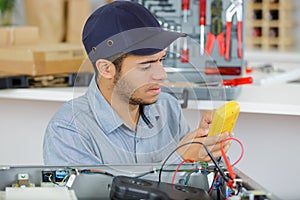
155	90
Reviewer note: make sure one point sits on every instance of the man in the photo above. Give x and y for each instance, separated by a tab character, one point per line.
124	117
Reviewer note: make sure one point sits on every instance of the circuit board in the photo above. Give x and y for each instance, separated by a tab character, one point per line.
103	182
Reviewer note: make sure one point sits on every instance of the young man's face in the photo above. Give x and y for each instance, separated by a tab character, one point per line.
140	79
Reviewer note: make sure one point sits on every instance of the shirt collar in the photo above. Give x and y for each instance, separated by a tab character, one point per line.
151	113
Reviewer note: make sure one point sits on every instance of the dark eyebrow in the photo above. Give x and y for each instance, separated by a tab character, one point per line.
153	61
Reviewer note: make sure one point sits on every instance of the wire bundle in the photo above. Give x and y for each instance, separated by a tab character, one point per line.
220	175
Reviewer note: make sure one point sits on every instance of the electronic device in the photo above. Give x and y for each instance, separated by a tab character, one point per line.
224	118
104	182
124	187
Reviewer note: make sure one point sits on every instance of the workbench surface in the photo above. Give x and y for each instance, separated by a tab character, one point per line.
267	99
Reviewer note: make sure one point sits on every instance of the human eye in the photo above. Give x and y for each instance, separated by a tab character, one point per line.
162	59
146	67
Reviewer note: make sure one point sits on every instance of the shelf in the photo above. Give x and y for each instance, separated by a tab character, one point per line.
271	22
43	94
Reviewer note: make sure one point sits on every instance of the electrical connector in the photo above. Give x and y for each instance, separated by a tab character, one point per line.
53	178
61	175
71	181
237	182
47	175
23	181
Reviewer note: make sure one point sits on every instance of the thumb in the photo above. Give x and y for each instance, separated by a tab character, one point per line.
201	132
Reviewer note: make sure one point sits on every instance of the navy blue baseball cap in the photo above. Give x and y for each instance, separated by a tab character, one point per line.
124	27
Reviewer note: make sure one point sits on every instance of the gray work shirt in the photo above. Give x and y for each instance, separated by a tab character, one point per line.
87	131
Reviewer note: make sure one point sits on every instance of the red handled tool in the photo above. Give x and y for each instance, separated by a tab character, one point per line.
185	52
184	57
237	81
202	14
225	71
235	7
216	28
185	6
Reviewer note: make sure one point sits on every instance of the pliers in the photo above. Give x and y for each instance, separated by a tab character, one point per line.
236	7
216	28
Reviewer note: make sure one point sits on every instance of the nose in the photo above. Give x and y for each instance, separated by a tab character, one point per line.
159	72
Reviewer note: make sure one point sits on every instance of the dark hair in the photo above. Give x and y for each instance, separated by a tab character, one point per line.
118	61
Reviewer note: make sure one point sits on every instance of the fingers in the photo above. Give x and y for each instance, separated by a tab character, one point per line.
214	143
214	146
204	124
201	132
206	119
198	152
212	140
216	152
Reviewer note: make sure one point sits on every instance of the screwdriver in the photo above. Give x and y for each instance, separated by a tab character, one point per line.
202	14
171	47
178	42
226	71
185	52
237	81
185	6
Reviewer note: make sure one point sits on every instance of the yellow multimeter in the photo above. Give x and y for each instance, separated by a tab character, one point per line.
224	118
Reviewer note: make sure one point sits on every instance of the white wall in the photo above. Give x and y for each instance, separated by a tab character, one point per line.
22	126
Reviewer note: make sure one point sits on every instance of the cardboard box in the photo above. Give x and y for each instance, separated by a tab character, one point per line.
4	37
44	59
58	20
49	16
18	35
77	13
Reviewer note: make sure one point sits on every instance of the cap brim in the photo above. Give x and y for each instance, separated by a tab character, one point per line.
139	41
154	44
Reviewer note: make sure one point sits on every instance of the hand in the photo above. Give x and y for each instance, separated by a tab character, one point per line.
197	152
206	120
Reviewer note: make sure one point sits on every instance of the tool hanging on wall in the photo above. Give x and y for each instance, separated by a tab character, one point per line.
185	52
185	6
237	81
200	57
216	28
202	14
235	7
172	47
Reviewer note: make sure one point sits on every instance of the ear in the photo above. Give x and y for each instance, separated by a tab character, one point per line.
105	68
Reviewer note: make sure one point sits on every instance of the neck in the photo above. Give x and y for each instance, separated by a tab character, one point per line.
128	112
129	115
